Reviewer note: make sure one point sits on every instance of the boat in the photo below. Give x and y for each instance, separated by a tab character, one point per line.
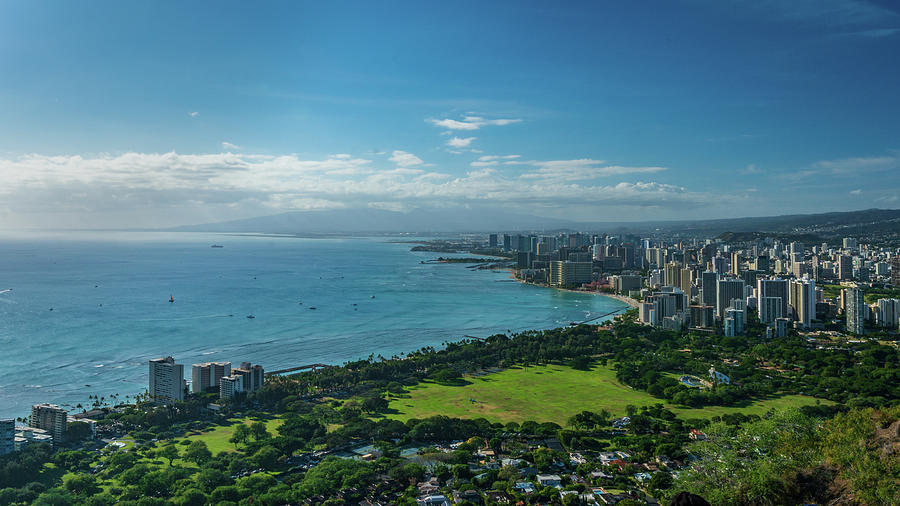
372	297
217	246
171	298
250	316
312	307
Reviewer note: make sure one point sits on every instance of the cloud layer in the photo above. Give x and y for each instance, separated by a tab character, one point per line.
128	181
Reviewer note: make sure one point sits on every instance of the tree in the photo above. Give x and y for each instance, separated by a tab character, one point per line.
208	479
169	452
374	404
267	457
259	432
81	484
76	431
661	481
197	452
240	435
191	497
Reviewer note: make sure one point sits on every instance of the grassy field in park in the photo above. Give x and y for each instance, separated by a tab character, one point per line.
549	394
217	438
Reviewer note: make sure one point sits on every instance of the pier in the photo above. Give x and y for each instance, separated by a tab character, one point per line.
311	367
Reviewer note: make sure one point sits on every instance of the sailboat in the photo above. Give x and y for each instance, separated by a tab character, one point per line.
171	298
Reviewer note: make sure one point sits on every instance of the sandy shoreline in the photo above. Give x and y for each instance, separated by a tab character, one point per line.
628	300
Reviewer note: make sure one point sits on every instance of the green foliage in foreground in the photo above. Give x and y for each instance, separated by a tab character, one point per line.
790	458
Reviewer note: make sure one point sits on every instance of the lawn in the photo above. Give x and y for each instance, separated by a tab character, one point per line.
552	394
217	438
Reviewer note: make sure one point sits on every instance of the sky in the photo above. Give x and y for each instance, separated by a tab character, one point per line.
158	114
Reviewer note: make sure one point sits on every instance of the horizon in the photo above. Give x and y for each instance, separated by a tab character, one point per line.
151	116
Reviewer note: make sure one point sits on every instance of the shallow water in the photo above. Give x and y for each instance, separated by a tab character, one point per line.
109	294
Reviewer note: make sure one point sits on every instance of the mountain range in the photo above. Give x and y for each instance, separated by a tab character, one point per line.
377	221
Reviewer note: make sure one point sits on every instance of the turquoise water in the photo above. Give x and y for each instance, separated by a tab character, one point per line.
111	312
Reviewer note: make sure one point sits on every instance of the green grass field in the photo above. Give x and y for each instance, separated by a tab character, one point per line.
550	394
217	438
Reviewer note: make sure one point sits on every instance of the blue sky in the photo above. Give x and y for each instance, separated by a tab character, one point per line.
159	114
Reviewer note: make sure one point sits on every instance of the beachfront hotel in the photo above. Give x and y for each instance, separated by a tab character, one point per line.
166	380
51	418
208	375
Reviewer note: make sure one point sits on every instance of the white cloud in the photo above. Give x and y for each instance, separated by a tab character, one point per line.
488	158
860	164
470	122
228	145
193	114
751	169
458	142
149	184
404	159
582	169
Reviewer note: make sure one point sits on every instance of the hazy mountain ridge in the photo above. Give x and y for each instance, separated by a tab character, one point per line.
354	221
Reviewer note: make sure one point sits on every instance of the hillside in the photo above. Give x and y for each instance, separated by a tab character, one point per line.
809	227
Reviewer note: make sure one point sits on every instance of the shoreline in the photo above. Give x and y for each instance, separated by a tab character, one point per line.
621	298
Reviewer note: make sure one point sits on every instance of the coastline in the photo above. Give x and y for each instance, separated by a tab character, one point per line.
627	300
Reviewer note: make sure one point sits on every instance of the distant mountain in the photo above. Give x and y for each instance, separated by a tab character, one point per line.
374	221
368	221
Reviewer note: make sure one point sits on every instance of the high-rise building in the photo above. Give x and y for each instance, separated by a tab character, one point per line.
7	435
895	270
570	273
672	274
708	281
769	309
889	313
492	241
735	264
762	264
703	316
803	301
208	375
845	267
774	288
728	289
50	418
166	380
253	376
855	310
737	317
729	327
507	242
686	278
850	243
231	385
718	265
781	326
627	282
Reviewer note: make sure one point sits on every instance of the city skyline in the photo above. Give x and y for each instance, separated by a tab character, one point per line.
161	115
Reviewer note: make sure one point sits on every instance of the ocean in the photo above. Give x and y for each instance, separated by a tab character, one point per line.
86	311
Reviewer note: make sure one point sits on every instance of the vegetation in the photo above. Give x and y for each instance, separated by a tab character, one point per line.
556	396
550	393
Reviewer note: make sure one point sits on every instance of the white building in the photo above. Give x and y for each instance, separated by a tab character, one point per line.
231	385
166	380
27	435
